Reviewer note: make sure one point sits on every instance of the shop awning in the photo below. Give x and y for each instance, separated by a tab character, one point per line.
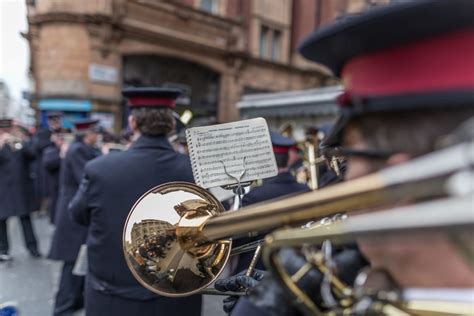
65	105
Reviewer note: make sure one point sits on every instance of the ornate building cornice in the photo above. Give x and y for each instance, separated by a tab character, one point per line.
67	17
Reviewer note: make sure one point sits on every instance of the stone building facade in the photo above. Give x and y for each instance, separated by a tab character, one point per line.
147	227
84	52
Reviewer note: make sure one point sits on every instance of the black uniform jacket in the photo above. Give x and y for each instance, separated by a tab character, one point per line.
41	140
282	184
16	182
111	185
52	163
69	236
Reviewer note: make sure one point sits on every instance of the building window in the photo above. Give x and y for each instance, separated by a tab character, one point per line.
270	43
276	46
211	6
264	33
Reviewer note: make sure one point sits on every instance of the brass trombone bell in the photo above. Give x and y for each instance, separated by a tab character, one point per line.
157	247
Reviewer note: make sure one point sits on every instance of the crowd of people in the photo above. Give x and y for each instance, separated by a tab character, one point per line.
408	83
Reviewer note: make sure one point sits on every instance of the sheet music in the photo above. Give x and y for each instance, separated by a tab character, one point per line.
233	145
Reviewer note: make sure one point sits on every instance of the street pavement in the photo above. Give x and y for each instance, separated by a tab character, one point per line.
32	283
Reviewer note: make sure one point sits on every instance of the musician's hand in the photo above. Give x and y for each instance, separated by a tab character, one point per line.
270	298
63	150
237	283
2	140
5	138
105	148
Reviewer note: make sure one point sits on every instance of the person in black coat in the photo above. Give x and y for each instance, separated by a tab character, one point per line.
282	184
52	163
69	236
384	120
110	187
16	187
41	141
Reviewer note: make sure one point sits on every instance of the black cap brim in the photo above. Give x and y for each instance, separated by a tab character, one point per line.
397	103
280	140
152	92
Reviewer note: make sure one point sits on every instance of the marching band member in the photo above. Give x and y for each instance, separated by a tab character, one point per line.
16	188
110	187
51	161
407	84
282	184
69	236
41	141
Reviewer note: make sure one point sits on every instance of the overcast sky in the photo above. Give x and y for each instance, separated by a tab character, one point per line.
14	51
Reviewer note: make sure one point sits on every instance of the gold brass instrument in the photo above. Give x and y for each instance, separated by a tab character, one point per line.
312	163
309	173
176	240
369	297
15	144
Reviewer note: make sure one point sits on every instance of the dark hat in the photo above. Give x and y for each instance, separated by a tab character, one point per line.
402	56
151	97
6	123
281	144
86	125
54	114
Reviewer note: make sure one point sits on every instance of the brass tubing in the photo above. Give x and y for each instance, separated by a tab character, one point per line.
364	193
313	168
431	215
421	178
255	258
245	248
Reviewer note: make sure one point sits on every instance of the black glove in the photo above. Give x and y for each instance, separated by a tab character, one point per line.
348	264
268	296
237	283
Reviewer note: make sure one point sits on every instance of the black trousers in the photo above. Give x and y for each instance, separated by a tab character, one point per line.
70	295
28	234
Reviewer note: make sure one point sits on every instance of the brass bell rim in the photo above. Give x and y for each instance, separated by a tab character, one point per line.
170	187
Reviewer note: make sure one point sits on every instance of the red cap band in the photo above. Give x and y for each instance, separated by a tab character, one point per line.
140	101
435	64
84	126
281	149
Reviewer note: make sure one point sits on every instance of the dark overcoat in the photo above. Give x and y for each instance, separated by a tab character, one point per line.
282	184
52	163
16	181
41	140
111	185
69	236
